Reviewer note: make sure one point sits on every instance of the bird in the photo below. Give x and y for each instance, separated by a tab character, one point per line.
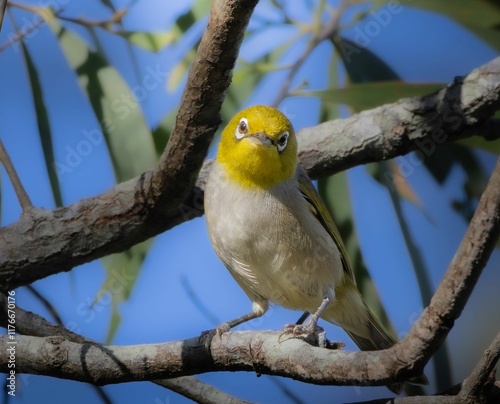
270	228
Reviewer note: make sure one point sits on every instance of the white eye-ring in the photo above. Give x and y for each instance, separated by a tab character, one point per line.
241	129
282	141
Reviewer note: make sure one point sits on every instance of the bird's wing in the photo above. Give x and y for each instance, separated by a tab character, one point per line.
320	211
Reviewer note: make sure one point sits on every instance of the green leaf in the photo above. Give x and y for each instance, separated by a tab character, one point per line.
42	120
335	193
198	10
444	159
128	138
368	95
122	272
150	41
364	66
120	117
383	173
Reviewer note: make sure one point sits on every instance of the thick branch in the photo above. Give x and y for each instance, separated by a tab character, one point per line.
48	242
261	352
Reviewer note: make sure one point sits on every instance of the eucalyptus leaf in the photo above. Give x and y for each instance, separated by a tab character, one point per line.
369	95
364	66
128	138
43	123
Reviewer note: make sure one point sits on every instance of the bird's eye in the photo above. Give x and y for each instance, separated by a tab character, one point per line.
242	129
282	141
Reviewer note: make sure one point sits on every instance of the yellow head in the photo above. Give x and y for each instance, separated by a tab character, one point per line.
258	148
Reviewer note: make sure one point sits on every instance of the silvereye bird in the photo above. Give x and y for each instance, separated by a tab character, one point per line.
274	234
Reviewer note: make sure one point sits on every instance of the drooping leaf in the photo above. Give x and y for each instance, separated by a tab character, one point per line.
128	138
117	110
368	95
122	272
335	193
43	123
364	66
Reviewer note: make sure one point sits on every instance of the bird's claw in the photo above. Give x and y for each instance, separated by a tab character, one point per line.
209	335
298	330
312	333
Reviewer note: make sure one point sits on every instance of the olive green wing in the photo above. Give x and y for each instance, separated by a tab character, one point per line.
320	211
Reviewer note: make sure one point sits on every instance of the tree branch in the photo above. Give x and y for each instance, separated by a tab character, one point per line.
28	323
419	123
475	387
22	196
47	242
263	352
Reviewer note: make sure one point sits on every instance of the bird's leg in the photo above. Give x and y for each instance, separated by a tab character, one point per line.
225	327
311	325
258	309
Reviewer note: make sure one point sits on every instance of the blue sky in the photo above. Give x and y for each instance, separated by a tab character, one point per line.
419	46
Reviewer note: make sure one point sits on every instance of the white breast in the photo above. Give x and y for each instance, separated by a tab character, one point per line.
271	243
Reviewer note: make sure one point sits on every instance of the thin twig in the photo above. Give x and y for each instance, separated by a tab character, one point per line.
106	24
45	303
23	197
329	30
18	36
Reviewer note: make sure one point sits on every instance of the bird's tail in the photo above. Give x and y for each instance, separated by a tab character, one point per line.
354	316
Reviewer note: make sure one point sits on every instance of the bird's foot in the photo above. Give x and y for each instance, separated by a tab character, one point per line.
297	330
311	333
309	329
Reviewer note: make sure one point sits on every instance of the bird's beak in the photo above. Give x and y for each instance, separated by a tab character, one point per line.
260	138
